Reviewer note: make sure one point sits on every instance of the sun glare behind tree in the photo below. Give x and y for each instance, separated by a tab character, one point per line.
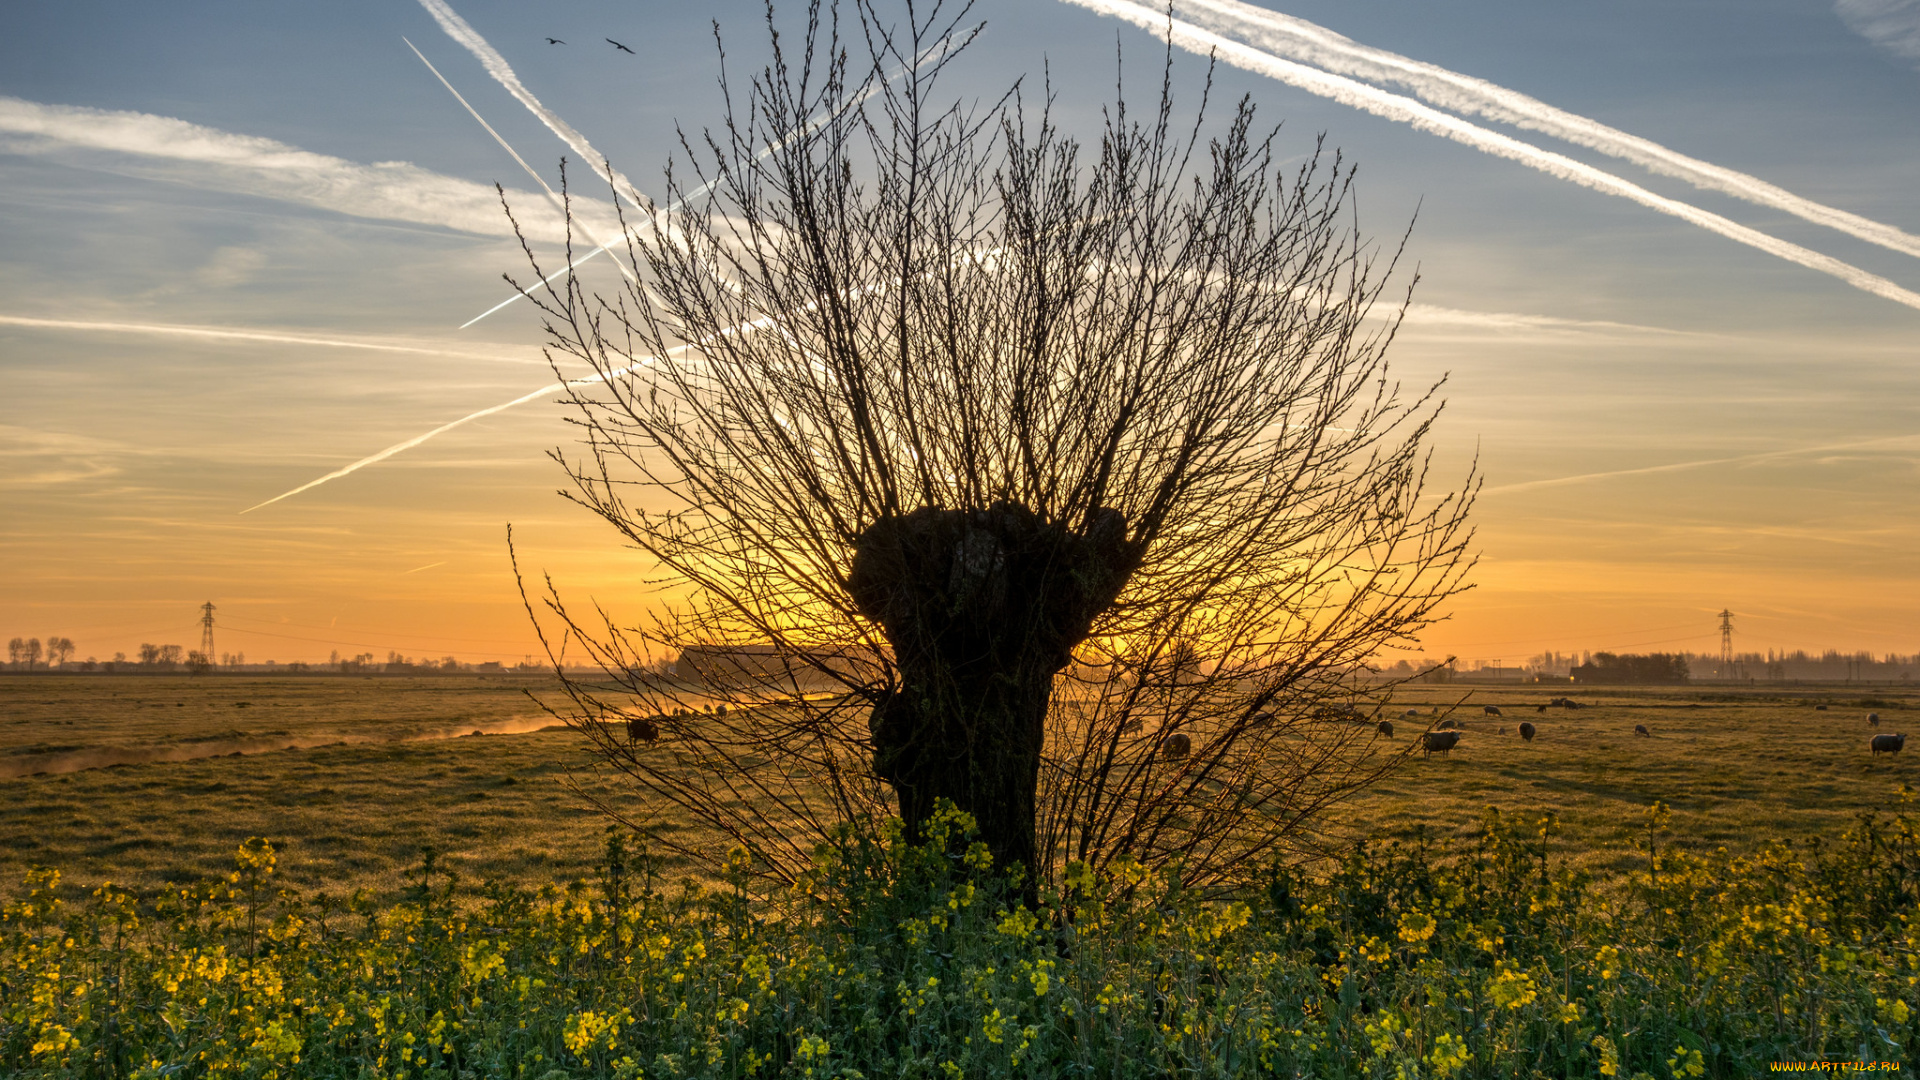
1066	482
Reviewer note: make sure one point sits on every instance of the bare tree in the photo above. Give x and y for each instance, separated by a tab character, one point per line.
1066	483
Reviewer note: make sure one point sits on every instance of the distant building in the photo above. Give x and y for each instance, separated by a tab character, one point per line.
743	666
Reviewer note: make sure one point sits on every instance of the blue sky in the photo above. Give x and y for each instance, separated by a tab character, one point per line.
1584	334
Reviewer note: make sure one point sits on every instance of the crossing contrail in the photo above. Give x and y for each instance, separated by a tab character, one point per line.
502	72
552	196
807	128
1309	43
1406	110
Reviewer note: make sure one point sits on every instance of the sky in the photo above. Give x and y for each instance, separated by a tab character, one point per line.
1668	259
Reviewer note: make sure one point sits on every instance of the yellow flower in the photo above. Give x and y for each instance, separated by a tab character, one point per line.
1609	1055
1416	927
1609	960
1512	988
1685	1062
1449	1055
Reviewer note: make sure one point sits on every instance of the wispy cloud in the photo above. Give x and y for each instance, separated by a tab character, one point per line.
1687	466
165	148
1895	23
1406	110
30	458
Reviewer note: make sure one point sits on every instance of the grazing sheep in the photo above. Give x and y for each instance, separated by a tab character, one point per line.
640	729
1410	714
1176	745
1434	742
1641	729
1887	744
1540	708
1526	731
1503	729
1493	710
1385	727
1819	708
1448	725
1873	719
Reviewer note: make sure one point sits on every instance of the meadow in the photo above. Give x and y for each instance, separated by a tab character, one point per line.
1707	900
355	804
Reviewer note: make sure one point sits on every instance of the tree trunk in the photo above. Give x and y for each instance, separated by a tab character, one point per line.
982	608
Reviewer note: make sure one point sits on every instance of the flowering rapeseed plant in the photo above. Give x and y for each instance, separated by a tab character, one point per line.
893	960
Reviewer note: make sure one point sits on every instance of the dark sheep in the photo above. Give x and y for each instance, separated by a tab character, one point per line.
1641	729
1526	731
1410	714
1540	708
1887	744
1503	729
1493	710
1819	708
1873	719
640	729
1435	742
1176	745
1448	725
1385	727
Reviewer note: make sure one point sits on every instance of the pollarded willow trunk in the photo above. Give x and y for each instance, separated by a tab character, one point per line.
982	608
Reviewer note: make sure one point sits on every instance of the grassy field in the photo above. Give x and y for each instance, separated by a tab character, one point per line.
370	772
378	777
1737	767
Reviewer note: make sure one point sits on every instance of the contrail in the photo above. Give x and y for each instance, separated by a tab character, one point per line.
805	129
1681	466
545	391
1309	43
277	338
552	196
502	72
1408	111
429	566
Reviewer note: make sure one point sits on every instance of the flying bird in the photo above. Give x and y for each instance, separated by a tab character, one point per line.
619	46
555	41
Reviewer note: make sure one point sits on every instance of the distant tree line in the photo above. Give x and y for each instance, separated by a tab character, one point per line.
1606	667
26	653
